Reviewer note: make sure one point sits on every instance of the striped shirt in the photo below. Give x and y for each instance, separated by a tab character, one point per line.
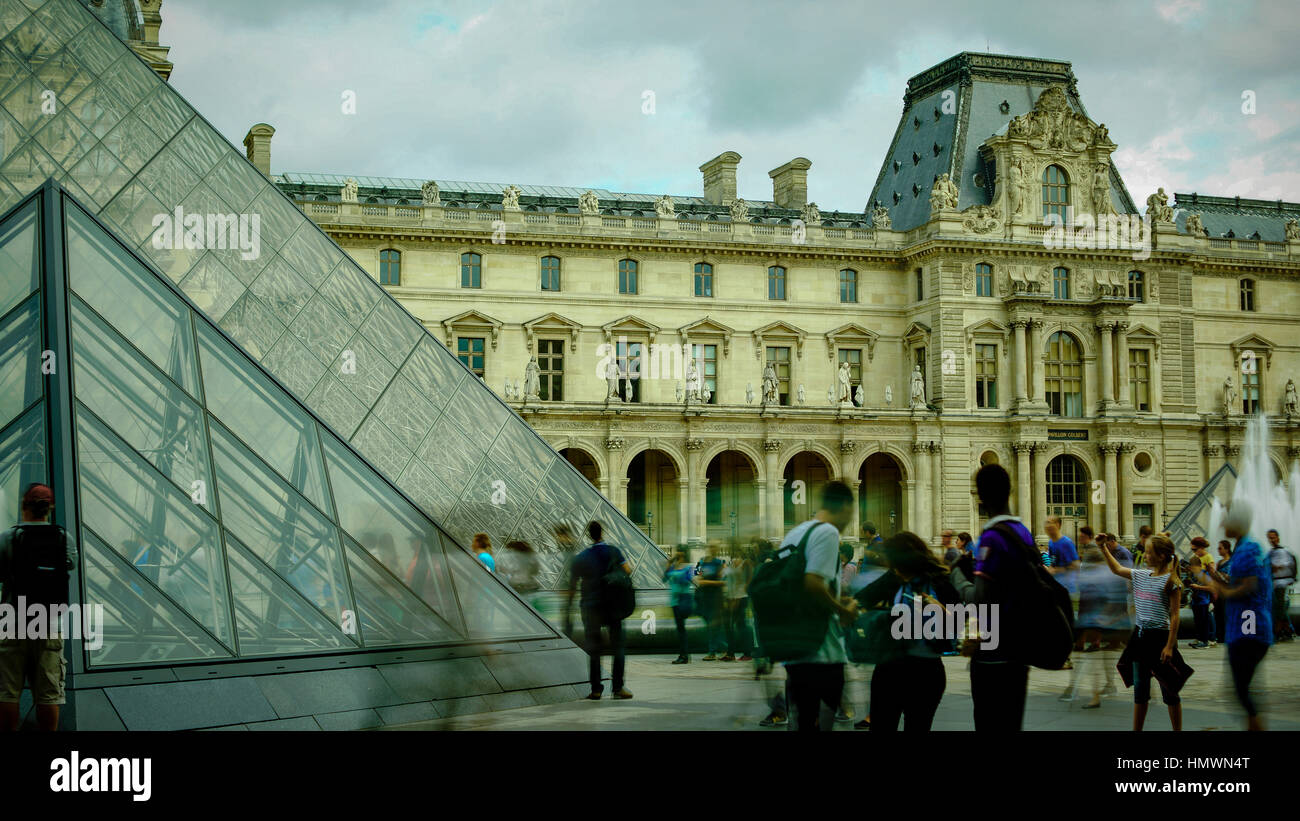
1150	599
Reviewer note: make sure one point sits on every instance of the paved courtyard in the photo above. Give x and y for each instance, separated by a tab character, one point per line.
725	696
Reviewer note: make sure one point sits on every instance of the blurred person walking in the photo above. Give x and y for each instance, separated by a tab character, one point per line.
1202	595
592	568
1220	604
483	549
709	600
681	597
735	577
1103	606
1282	563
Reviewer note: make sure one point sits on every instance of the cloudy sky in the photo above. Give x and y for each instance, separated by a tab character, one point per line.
553	93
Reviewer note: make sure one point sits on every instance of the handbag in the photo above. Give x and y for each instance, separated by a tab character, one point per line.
869	640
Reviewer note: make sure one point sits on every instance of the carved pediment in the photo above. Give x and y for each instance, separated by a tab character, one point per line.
552	323
1054	126
986	329
850	334
708	328
630	326
472	321
778	331
917	332
1256	343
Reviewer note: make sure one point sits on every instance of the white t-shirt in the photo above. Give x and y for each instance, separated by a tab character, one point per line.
823	558
1282	563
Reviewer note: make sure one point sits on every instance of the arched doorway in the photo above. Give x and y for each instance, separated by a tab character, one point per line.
731	497
652	500
881	496
805	476
582	460
1067	493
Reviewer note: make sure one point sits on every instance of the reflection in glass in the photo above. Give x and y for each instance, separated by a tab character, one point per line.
22	459
20	360
19	257
387	612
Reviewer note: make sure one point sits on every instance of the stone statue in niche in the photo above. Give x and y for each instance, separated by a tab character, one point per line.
842	394
770	394
532	380
1229	396
802	396
1016	186
1101	190
611	379
1289	401
889	396
693	381
749	393
918	388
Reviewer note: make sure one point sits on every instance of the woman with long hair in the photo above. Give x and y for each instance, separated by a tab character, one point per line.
911	684
1152	650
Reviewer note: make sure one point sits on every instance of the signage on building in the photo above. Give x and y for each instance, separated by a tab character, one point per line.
1067	435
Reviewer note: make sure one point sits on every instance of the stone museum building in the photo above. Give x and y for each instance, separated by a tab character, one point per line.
901	343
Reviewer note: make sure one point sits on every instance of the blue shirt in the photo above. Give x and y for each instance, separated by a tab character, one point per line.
1123	556
487	560
1063	555
1249	559
681	587
711	570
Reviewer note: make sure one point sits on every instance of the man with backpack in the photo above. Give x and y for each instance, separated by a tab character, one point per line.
1284	574
605	577
798	608
1034	611
35	559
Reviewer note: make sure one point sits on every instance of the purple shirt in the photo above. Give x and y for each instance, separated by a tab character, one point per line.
1003	565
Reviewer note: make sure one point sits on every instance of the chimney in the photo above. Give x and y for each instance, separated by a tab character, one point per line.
257	145
790	184
720	178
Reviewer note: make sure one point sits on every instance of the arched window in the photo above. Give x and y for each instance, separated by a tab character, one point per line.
1137	286
703	279
390	267
550	273
1056	191
627	270
848	285
1063	376
1067	490
1060	283
1248	295
983	279
471	270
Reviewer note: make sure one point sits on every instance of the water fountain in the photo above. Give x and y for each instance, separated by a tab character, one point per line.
1276	506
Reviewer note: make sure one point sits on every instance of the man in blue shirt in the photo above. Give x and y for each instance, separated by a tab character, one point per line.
589	567
1246	584
1065	557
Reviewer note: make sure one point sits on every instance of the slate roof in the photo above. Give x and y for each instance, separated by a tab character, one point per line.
1242	217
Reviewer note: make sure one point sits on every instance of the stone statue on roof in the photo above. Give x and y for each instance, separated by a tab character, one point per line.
664	207
589	203
429	194
943	195
739	210
811	215
1158	209
880	218
349	190
1194	226
1292	230
510	198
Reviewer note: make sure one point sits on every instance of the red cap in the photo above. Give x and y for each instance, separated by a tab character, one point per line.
36	494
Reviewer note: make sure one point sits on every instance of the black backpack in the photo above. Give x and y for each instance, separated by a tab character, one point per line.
617	596
789	625
38	565
1042	632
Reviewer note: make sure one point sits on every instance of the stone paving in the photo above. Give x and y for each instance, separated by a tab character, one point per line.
725	696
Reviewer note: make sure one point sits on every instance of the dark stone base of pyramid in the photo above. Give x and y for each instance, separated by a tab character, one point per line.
357	692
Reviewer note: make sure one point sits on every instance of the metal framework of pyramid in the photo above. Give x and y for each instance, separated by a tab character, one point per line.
1194	518
78	105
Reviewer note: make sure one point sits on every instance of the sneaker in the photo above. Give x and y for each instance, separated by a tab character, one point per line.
595	695
1092	705
746	657
727	657
773	720
681	660
843	717
864	724
710	657
1069	665
1068	695
623	693
1197	645
1213	643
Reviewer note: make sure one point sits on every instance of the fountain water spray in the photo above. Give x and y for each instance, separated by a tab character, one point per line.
1276	507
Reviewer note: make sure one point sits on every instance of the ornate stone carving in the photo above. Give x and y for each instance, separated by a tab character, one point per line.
1022	447
880	218
532	380
943	195
968	276
1292	230
1026	278
1101	190
614	444
920	447
1194	226
588	203
664	207
348	193
1289	399
1232	451
848	446
811	214
1210	450
770	394
771	445
510	198
1229	396
802	395
429	194
981	219
739	210
1158	209
1053	125
917	398
695	445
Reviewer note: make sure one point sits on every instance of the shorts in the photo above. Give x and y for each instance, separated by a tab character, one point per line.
41	662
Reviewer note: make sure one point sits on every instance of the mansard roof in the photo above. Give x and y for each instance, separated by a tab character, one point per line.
1243	218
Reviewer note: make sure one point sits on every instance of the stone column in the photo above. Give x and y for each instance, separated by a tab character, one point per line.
1106	366
1110	460
683	508
621	504
1022	364
936	493
691	525
1121	364
1125	495
1023	494
701	510
610	485
1036	360
921	512
1039	482
848	450
775	523
912	517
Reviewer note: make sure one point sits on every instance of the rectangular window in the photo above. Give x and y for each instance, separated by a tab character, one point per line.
703	279
471	271
1139	378
550	367
853	356
776	282
920	284
1137	286
848	285
986	376
1250	391
983	280
707	359
1247	295
1060	283
1143	515
629	371
390	267
779	359
627	276
470	350
550	273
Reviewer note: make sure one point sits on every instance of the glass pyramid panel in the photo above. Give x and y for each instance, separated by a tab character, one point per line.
272	619
387	612
490	610
20	359
141	626
1194	518
103	154
19	257
22	459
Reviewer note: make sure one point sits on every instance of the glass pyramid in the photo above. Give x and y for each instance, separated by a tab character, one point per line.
77	105
1194	518
217	518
